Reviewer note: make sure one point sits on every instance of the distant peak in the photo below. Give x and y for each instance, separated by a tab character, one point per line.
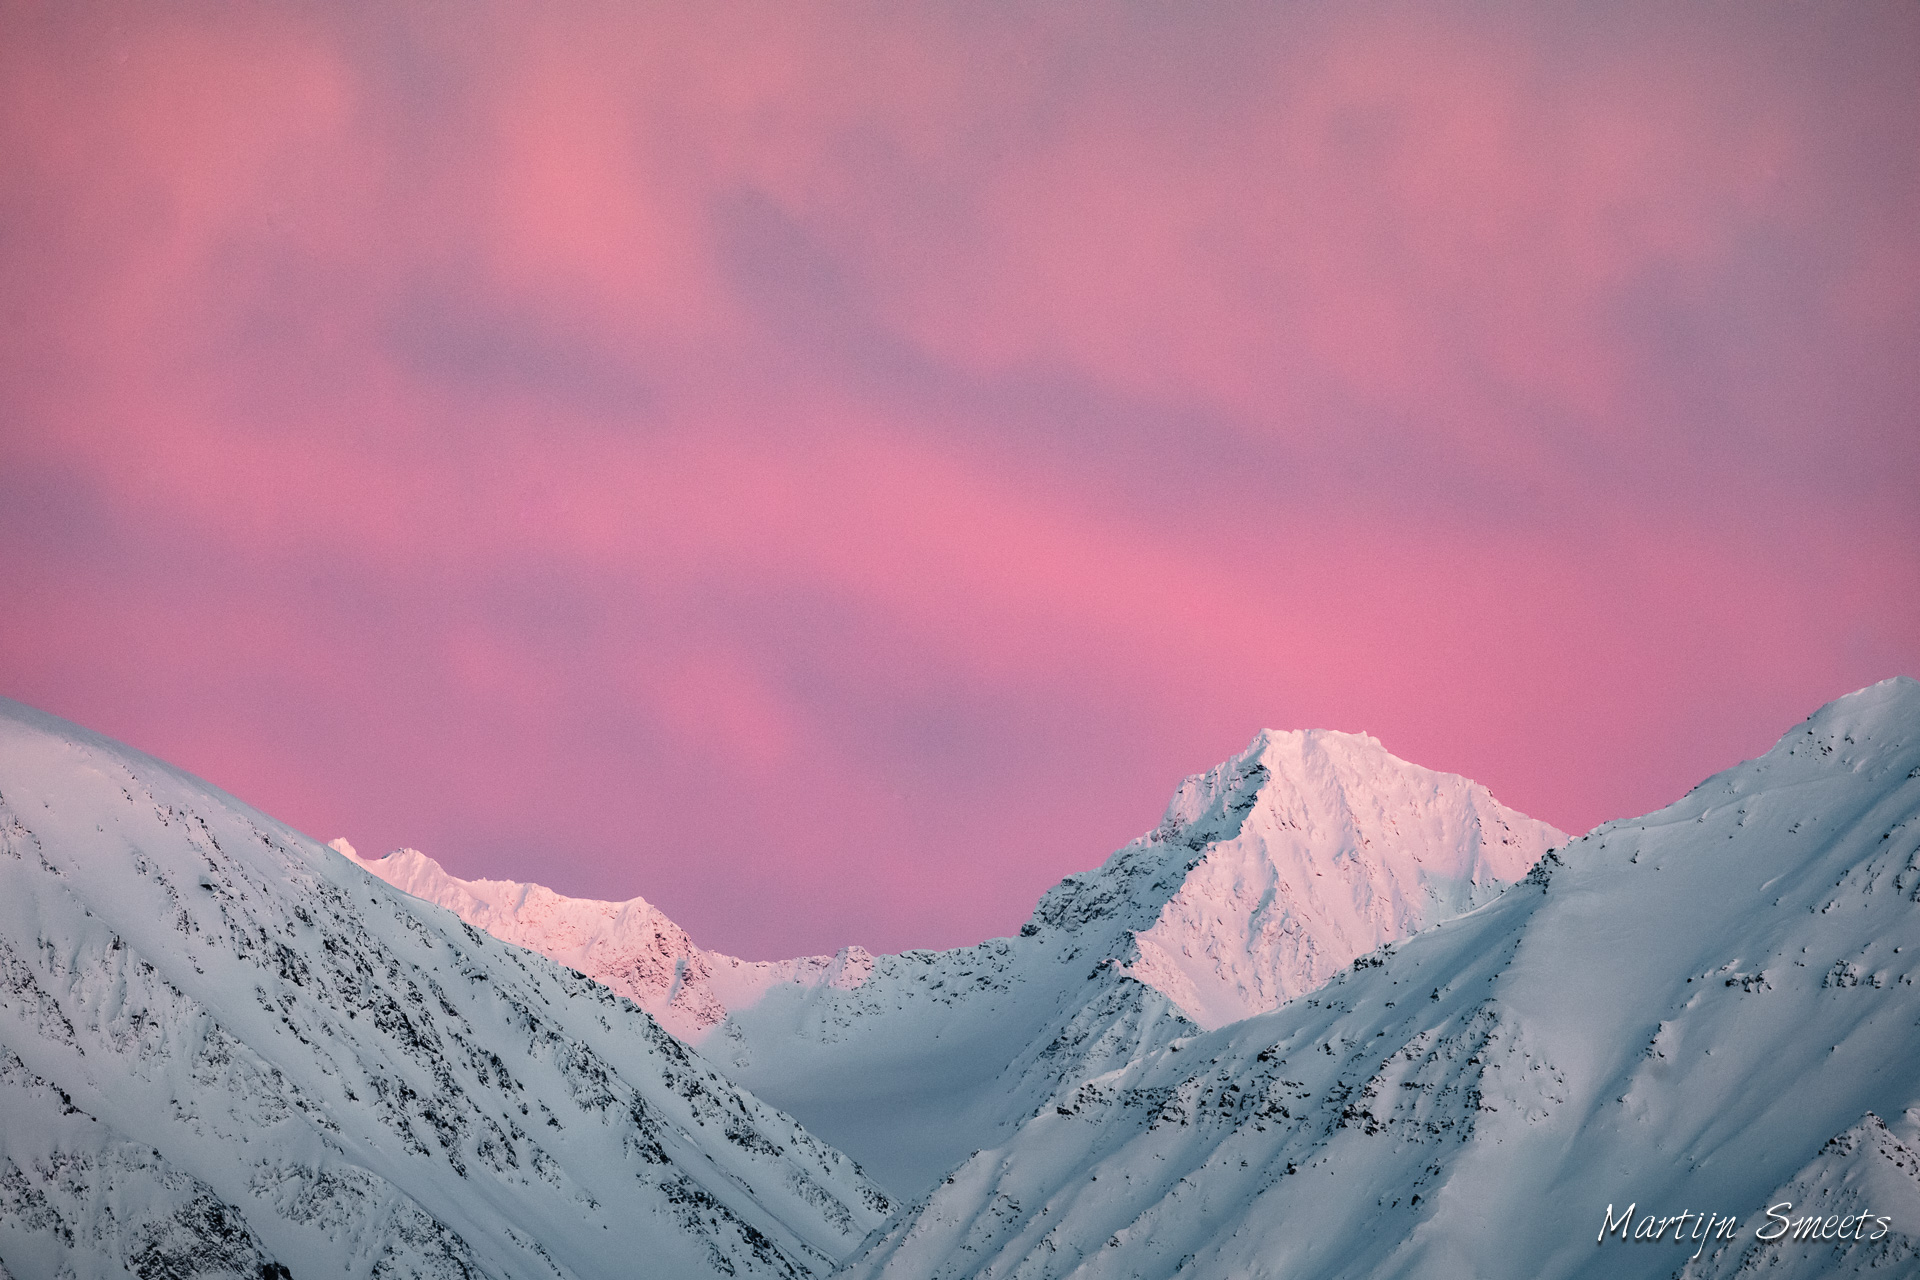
391	859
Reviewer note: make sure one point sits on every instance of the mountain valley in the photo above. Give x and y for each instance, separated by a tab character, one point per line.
1336	1015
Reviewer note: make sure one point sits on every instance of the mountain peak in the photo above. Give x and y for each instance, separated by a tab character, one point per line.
632	947
1289	767
1712	1004
513	906
1270	873
1273	870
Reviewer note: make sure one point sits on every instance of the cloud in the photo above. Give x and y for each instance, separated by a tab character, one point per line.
831	471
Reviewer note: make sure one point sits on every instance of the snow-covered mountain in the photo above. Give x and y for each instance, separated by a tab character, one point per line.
227	1051
1308	849
629	946
1679	1020
1297	1029
1267	875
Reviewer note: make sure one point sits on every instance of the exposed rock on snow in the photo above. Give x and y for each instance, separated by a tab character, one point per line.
1866	1183
225	1050
1313	848
1267	875
1704	1011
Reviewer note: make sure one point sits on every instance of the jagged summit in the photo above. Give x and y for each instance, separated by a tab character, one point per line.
1708	1008
1268	874
1272	871
222	1046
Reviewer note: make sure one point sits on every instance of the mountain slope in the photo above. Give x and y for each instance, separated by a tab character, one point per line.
629	946
1313	847
225	1050
1709	1010
1267	874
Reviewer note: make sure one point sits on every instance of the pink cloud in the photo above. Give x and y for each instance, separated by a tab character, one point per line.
831	472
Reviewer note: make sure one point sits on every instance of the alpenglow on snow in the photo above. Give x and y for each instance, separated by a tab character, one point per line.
1322	1021
1266	876
1682	1020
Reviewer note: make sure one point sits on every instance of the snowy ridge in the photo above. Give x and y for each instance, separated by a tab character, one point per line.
1315	847
224	1050
1865	1182
1268	874
629	946
1705	1010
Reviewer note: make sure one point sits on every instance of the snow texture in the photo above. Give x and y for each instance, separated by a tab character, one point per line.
629	946
228	1051
1298	1029
1268	875
1705	1011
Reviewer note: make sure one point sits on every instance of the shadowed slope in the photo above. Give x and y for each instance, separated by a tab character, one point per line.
1705	1010
225	1049
1268	874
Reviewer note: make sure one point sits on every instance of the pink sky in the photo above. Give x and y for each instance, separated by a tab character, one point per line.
833	470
